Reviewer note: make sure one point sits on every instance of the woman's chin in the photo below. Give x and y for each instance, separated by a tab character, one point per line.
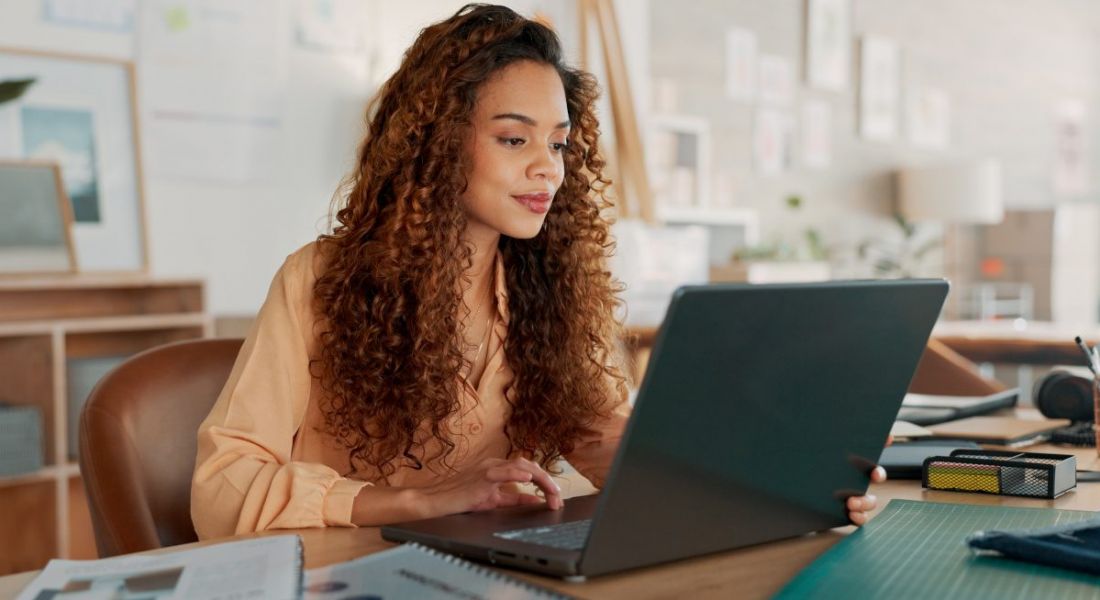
523	231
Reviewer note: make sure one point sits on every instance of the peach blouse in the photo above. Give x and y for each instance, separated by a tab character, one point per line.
264	460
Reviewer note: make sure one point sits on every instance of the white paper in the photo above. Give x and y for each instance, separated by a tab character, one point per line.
776	80
741	65
880	88
411	571
772	141
817	134
260	568
930	118
332	25
828	44
1071	151
110	15
213	80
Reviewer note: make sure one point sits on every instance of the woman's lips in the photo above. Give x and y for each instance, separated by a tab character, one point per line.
537	203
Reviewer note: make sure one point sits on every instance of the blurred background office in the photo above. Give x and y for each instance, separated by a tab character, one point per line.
160	158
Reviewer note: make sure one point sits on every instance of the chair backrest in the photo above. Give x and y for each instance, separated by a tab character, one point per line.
138	442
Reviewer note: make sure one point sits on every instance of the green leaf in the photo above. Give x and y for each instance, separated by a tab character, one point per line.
13	88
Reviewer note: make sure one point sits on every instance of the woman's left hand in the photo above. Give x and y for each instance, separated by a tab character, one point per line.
859	506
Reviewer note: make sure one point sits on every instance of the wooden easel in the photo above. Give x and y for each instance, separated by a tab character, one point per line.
627	162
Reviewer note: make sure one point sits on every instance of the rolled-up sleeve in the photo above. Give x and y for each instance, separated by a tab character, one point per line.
244	477
594	453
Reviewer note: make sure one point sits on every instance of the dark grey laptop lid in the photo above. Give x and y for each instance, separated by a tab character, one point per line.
763	408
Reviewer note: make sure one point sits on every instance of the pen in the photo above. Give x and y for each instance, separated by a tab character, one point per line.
1088	355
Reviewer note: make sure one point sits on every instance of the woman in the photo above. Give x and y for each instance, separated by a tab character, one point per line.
454	336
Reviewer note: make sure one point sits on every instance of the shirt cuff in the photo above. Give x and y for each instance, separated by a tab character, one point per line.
339	500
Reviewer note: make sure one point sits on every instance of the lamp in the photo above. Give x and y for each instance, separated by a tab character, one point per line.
954	194
959	193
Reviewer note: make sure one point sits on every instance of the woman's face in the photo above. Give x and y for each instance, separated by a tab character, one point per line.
519	131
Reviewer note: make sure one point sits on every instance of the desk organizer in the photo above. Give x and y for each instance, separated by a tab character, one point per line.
1030	474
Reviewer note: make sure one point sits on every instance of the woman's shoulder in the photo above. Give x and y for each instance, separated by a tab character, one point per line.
305	264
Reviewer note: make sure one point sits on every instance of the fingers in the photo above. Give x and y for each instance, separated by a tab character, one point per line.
523	470
508	474
519	499
878	475
859	506
862	503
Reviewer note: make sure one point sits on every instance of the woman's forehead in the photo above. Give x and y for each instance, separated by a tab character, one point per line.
524	88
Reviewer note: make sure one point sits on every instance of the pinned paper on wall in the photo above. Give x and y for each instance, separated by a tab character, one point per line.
213	85
103	15
817	134
930	118
741	65
776	80
879	88
772	141
828	44
1071	152
331	25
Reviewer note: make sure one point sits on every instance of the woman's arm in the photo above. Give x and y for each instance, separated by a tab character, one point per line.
244	477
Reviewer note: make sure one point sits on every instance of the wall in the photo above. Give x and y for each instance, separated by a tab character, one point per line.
235	235
1004	64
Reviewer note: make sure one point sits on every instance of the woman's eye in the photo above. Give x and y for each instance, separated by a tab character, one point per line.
511	141
559	146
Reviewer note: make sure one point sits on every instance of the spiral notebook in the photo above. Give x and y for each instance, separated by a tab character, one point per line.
414	571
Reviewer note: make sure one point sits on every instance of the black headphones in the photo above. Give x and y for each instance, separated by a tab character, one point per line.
1063	395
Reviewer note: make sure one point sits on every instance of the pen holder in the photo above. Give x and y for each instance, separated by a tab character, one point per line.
1030	474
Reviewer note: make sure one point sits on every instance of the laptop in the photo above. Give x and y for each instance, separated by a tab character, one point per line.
763	408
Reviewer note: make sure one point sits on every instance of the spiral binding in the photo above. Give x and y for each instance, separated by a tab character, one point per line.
490	573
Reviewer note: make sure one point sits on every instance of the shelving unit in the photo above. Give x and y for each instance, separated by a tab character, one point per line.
44	325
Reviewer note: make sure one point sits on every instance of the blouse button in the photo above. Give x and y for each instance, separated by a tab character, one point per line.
474	428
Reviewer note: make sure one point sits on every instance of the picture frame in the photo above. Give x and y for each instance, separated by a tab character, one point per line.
36	231
680	163
81	112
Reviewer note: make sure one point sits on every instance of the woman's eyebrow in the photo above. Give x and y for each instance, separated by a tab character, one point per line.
527	120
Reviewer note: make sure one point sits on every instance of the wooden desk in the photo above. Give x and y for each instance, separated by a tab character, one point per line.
755	572
1003	342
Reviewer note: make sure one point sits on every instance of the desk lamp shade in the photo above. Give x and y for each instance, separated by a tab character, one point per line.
958	193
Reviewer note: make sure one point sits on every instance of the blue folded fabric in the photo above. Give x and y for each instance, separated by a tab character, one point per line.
1073	546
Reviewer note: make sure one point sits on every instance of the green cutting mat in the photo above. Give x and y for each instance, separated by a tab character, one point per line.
918	550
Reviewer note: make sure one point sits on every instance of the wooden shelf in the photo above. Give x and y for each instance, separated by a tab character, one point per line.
46	327
746	218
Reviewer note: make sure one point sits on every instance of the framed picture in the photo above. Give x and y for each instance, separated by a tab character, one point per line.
680	161
80	113
879	88
36	231
828	44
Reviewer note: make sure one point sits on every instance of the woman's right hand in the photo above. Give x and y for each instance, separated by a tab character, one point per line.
492	483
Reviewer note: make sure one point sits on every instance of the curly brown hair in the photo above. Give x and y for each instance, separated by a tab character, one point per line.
388	298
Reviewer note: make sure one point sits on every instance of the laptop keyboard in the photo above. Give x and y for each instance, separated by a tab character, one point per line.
567	536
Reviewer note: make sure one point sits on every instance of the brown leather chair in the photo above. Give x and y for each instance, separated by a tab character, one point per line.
137	442
946	372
